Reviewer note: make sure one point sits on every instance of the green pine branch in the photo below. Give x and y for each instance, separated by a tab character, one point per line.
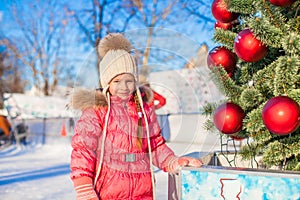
254	83
225	37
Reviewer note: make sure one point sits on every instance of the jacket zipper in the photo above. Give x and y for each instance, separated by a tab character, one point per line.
130	146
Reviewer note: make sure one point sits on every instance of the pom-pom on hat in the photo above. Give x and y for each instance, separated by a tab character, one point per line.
114	52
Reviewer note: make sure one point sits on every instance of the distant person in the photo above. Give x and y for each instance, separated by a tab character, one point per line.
117	138
158	100
71	124
22	131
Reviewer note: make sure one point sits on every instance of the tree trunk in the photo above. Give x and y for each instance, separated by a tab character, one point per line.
144	70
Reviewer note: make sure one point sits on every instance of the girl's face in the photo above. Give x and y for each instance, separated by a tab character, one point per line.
122	86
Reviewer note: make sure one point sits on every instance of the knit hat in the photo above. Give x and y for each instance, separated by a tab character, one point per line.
114	52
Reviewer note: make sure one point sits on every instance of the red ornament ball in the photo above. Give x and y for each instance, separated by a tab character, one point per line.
248	48
237	138
228	118
225	26
220	11
282	3
224	57
281	115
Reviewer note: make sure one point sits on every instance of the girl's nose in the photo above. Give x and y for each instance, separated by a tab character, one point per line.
123	85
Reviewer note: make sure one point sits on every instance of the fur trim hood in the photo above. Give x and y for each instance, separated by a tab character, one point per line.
81	99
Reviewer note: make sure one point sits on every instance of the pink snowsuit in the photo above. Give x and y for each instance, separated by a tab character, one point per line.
125	172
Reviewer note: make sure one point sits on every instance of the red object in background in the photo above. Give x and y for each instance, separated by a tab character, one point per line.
224	57
228	118
281	115
158	100
282	3
5	126
63	131
249	48
221	13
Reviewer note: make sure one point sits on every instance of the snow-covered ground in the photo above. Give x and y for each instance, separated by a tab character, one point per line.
36	172
42	172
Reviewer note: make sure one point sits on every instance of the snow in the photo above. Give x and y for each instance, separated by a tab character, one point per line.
34	172
37	171
31	107
185	90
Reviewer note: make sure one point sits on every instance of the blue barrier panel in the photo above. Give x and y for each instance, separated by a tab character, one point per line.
214	182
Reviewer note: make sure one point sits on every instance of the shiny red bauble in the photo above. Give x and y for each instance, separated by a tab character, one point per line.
220	11
225	26
281	115
237	138
282	3
228	118
249	48
224	57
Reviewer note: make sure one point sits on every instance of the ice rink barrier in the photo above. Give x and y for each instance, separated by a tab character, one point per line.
217	182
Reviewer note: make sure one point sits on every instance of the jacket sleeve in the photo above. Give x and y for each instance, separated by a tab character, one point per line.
84	144
161	153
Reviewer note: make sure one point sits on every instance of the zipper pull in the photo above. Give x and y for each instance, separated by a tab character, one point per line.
124	104
140	114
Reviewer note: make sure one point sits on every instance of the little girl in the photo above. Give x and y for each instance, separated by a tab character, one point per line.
117	138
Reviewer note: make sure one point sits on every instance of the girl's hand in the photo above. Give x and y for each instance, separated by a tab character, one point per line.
84	189
177	162
189	161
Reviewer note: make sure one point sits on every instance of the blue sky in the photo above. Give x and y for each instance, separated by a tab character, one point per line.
3	10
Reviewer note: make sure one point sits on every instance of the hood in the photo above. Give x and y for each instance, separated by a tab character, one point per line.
81	99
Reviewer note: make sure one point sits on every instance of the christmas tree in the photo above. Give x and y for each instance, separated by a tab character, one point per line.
256	63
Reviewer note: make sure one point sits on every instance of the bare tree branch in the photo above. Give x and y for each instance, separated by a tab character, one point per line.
39	46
